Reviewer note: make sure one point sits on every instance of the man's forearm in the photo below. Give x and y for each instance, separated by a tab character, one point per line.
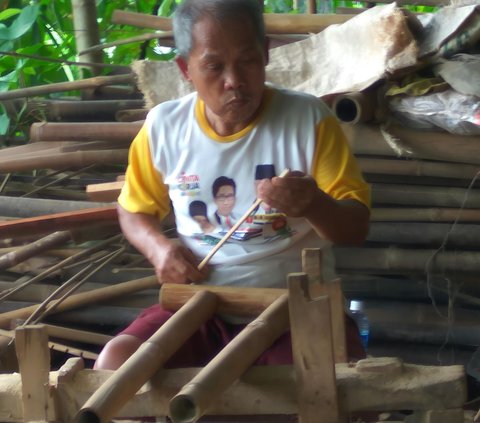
343	222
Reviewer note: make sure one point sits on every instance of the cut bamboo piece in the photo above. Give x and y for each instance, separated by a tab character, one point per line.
85	298
242	351
275	23
355	107
117	133
148	359
95	82
312	346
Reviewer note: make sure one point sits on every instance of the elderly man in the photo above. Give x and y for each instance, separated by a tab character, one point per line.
231	124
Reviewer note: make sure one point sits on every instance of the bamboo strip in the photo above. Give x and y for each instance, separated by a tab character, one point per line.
147	360
275	23
197	395
95	82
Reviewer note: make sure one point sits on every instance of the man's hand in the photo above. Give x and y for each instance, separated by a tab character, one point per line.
292	194
174	263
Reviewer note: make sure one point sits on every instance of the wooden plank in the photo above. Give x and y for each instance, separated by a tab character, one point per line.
312	346
107	191
34	360
70	220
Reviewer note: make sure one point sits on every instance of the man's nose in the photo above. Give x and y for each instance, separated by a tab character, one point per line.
233	78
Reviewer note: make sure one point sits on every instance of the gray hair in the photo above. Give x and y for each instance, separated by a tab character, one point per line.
190	12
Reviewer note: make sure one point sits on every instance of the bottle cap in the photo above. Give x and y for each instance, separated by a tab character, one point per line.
356	305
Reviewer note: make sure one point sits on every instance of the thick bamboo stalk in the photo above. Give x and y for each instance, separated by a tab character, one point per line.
27	251
372	165
427	196
77	110
412	214
65	160
30	207
147	360
119	133
355	107
86	29
95	82
203	390
425	234
383	260
399	141
240	301
106	216
85	298
275	23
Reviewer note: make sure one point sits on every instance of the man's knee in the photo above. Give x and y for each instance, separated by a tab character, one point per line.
117	351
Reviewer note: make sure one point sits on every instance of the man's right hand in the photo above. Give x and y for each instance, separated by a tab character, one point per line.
174	263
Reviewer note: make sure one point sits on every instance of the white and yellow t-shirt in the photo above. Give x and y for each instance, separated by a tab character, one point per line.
177	158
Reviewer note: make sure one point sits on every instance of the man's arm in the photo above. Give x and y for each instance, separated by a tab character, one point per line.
173	262
343	222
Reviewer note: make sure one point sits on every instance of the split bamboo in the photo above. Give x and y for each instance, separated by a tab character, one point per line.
242	351
427	214
147	360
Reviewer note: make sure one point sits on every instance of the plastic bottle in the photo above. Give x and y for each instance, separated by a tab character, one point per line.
357	311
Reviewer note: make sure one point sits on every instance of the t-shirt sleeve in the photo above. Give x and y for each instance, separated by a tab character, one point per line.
334	167
144	190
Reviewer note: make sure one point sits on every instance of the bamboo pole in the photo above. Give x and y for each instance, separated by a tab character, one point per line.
147	360
396	141
396	260
119	133
25	252
239	301
85	298
197	395
275	23
355	107
412	214
427	196
76	110
402	167
95	82
86	29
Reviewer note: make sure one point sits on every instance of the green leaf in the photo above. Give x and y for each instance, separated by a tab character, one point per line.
21	25
8	13
4	123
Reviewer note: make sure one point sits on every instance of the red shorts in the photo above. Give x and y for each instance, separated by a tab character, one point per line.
215	334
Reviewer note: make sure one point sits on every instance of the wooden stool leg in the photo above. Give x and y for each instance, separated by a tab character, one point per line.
312	346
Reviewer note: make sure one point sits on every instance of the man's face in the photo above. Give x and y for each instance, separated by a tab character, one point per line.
225	200
227	68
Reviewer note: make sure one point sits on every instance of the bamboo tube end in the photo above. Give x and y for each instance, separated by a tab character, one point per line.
87	416
183	409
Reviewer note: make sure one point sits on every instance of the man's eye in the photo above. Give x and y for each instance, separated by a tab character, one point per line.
214	66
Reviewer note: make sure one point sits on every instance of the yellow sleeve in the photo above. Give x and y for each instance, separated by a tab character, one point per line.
334	166
144	190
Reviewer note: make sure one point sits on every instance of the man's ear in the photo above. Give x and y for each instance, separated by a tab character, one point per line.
183	66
